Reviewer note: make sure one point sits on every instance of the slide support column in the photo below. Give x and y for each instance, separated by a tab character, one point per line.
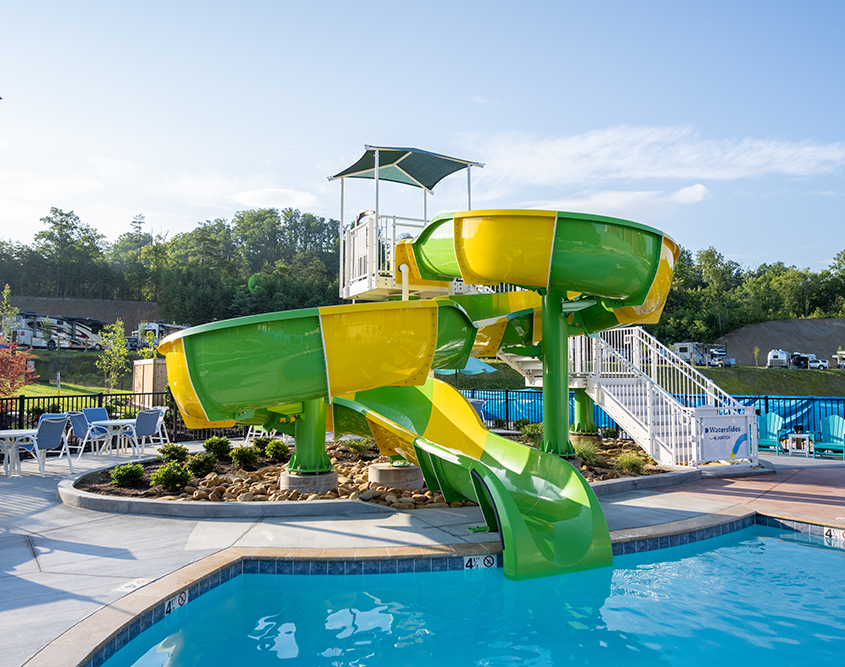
555	377
310	455
584	408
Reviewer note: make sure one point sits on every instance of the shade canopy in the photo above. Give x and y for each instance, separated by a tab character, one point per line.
405	165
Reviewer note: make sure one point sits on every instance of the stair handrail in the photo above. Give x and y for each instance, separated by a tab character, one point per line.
668	357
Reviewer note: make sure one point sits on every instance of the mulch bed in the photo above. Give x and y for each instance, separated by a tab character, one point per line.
345	462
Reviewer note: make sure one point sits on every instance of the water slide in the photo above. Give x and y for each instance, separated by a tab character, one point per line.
373	361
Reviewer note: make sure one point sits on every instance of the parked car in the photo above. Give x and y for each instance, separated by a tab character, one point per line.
800	361
132	343
823	364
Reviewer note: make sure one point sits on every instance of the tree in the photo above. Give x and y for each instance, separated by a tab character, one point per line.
756	355
147	348
112	360
47	331
8	315
74	255
17	369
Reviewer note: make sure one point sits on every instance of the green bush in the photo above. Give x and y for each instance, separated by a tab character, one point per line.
589	454
534	432
361	446
277	450
220	447
261	443
630	462
499	423
129	474
171	476
201	464
245	457
173	452
519	424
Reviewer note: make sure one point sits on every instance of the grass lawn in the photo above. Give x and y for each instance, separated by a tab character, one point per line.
50	390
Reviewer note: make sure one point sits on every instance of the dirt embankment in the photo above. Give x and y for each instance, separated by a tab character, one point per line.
822	337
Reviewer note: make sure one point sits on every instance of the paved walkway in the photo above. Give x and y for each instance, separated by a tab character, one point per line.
59	565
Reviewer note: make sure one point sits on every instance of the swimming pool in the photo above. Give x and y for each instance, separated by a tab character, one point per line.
757	595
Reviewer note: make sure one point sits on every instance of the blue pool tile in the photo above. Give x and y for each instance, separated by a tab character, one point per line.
405	565
231	572
284	567
663	542
439	564
319	567
145	621
250	566
422	565
618	548
456	563
816	530
369	567
301	567
390	566
336	567
158	614
267	567
354	567
98	659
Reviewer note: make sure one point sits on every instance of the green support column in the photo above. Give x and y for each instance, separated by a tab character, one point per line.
584	408
555	376
310	456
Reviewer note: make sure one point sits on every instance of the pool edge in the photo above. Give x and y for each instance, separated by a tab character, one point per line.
124	619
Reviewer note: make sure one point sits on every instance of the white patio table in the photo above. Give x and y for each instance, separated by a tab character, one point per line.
118	428
8	440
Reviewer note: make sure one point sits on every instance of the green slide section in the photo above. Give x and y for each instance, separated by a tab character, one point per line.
549	518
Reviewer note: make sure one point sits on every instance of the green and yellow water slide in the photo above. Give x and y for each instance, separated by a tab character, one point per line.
365	368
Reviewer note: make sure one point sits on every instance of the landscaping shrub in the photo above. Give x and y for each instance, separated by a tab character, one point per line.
129	474
245	457
261	443
499	423
171	476
277	450
534	432
220	447
361	446
630	462
589	454
173	452
519	424
201	464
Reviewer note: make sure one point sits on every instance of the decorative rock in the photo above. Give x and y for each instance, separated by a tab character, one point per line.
245	497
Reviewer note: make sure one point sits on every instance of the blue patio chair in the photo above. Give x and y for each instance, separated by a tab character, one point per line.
770	431
86	432
831	437
99	414
144	428
49	437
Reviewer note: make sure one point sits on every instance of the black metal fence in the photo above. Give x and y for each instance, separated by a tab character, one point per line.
24	411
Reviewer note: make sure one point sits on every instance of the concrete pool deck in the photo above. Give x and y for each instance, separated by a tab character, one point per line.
67	575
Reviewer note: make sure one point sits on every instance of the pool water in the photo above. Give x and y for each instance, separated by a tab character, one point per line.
757	596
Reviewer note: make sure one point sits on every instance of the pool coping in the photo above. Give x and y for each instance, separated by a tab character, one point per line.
123	620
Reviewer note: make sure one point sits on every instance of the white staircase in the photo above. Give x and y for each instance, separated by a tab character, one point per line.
670	409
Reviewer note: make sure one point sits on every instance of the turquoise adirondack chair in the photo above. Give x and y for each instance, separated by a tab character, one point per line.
769	431
831	438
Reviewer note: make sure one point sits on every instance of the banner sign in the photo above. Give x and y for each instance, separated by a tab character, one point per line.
724	437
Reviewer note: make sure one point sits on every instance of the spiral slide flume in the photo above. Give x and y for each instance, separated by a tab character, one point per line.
275	370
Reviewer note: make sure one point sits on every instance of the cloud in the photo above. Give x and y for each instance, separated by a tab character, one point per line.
24	186
632	153
274	198
648	205
478	100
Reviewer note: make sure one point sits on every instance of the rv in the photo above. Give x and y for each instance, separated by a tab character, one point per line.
777	359
160	331
694	354
70	333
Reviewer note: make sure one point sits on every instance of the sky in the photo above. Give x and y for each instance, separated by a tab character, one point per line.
719	123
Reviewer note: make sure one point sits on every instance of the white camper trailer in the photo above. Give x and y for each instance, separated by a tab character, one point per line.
777	359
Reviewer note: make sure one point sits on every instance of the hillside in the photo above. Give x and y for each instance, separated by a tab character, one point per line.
822	337
777	381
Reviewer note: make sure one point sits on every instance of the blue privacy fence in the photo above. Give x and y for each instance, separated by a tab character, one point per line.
507	406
